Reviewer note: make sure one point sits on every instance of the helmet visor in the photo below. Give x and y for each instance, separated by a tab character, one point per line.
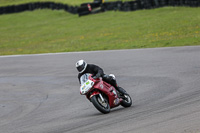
80	68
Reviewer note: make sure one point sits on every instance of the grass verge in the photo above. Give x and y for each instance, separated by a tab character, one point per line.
44	31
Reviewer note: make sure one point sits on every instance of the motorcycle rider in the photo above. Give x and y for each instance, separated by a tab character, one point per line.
97	72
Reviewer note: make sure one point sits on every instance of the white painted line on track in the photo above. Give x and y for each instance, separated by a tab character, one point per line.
63	53
85	52
46	54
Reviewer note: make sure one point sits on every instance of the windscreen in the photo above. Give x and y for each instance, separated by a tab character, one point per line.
84	78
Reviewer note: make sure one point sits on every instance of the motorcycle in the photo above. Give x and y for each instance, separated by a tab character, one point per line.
102	95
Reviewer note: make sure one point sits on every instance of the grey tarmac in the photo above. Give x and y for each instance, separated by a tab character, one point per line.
40	93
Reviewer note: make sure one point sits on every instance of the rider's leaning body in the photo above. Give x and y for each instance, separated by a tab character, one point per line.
97	72
92	69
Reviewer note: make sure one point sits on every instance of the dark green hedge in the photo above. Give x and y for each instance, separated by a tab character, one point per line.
97	6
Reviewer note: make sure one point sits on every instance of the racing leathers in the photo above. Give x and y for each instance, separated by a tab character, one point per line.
97	72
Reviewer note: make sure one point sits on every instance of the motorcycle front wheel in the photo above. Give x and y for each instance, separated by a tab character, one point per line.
102	106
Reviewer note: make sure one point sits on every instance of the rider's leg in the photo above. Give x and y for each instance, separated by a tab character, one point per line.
113	82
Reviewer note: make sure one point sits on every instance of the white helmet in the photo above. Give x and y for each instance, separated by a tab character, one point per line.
81	66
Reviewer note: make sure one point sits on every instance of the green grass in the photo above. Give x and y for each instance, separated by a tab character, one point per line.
44	31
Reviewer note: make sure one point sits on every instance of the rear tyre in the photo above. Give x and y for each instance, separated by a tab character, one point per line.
127	101
103	107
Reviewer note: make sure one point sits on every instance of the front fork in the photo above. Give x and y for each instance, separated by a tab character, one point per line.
102	99
97	93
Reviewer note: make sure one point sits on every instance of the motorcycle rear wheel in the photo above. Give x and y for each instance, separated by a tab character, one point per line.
103	107
127	101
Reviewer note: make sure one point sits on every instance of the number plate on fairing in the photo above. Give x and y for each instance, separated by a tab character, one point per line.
86	86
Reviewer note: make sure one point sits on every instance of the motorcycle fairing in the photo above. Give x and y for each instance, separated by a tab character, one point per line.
86	87
110	91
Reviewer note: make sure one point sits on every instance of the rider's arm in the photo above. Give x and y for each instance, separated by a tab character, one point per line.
98	71
79	78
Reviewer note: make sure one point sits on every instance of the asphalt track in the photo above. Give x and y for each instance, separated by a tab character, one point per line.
40	93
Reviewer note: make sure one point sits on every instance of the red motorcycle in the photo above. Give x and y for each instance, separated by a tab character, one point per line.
103	95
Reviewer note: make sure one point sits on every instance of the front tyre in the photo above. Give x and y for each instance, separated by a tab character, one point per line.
127	101
103	107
